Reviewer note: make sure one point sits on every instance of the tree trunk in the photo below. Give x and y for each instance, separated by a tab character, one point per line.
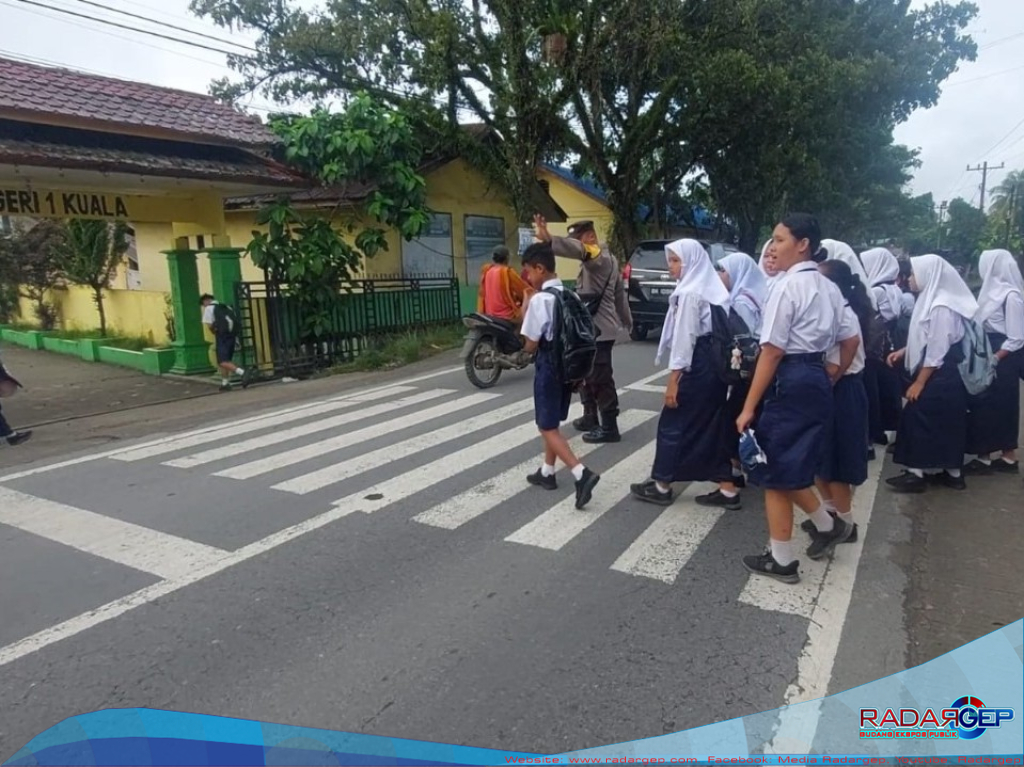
98	298
748	236
625	234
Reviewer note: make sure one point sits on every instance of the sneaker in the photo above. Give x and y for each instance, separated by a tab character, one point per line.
585	488
953	483
537	479
907	483
808	527
765	564
978	468
648	492
19	438
1005	467
824	543
720	500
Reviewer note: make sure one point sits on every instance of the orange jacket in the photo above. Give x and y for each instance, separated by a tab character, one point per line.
513	290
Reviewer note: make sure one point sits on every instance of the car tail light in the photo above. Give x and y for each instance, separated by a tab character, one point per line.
627	272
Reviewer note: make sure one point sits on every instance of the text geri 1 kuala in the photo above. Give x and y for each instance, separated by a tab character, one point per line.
14	202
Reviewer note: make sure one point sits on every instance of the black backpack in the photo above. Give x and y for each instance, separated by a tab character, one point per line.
879	343
575	335
734	348
225	323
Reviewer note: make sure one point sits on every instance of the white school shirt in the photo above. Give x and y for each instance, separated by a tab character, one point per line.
804	312
749	315
540	313
944	328
1008	321
886	308
907	304
693	320
848	328
208	317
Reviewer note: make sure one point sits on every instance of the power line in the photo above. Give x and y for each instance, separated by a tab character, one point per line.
1000	41
984	168
984	77
131	15
1012	131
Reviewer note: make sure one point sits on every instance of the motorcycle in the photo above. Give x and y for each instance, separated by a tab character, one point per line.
492	346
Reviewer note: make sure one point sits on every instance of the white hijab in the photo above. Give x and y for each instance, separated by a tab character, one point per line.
749	283
939	285
769	279
840	251
1001	277
882	268
699	277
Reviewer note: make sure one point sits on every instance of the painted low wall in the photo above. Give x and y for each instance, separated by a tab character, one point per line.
129	312
151	361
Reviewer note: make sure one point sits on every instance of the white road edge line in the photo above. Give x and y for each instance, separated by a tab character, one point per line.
107	453
798	724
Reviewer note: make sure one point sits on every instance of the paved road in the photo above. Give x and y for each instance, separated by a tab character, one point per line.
375	562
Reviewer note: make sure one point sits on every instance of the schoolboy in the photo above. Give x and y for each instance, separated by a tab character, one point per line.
551	395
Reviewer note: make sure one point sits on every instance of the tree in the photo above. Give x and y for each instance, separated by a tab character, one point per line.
963	231
89	255
29	265
367	147
1006	215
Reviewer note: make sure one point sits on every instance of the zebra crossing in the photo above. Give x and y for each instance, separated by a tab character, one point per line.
439	457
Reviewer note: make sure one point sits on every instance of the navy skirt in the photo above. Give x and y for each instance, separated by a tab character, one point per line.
791	428
994	419
690	446
551	397
890	397
876	431
844	453
933	431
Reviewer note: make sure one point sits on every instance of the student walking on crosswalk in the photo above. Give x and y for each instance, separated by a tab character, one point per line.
994	418
552	395
844	458
748	290
932	434
802	322
689	445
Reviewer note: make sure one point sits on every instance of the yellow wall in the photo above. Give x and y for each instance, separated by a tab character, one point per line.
129	312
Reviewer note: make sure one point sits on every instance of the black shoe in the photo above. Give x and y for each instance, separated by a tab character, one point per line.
953	483
907	483
19	438
247	378
603	435
765	564
1005	467
808	527
587	423
648	492
539	480
740	481
978	468
872	455
823	544
719	500
585	488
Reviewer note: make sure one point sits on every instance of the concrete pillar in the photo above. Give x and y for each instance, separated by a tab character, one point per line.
225	269
192	351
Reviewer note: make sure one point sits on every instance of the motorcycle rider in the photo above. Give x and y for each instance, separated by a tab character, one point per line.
502	291
599	274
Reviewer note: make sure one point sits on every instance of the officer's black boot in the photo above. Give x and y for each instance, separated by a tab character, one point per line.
588	422
607	433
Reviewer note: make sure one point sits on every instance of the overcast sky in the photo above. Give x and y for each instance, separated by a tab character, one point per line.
980	116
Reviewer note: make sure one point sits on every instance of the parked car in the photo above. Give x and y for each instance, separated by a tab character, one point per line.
649	285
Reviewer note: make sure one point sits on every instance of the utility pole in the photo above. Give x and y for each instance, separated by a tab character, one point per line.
942	215
984	168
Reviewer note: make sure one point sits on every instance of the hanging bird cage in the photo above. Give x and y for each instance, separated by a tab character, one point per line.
555	45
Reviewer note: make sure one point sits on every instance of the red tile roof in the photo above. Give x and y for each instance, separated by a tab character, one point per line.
30	91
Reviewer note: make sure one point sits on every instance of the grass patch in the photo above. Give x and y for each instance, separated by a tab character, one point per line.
390	352
126	342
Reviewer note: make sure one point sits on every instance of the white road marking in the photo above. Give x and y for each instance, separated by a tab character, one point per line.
480	499
184	441
797	725
313	450
405	485
141	548
338	472
643	384
232	449
560	524
662	551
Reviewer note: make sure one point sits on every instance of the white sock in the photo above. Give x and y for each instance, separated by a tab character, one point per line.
225	381
662	487
955	473
1004	459
782	552
727	494
847	517
239	371
830	507
822	520
917	473
577	473
547	470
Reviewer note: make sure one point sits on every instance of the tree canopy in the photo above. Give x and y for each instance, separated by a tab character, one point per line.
779	104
